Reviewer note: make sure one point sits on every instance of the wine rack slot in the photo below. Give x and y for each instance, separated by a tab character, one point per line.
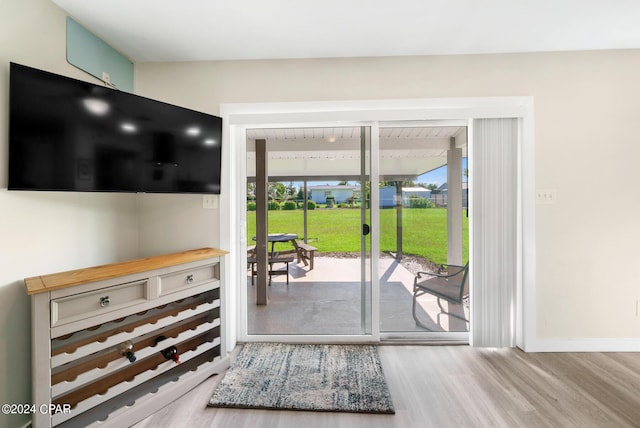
127	374
70	342
115	364
178	380
123	336
99	395
92	369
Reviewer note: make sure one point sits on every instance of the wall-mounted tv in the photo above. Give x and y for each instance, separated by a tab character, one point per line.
70	135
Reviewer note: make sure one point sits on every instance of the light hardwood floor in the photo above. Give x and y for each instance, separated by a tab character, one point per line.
459	386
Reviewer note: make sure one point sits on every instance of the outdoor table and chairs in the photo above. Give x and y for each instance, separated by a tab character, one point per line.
303	252
274	257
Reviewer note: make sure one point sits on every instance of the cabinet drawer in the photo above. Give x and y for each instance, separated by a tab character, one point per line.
188	278
98	302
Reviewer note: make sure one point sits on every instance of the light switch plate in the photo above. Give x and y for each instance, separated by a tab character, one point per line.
546	196
209	202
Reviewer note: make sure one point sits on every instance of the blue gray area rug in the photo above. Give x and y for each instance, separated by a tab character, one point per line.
333	378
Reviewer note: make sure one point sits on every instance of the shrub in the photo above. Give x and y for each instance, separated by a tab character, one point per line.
273	206
420	203
289	205
311	205
251	206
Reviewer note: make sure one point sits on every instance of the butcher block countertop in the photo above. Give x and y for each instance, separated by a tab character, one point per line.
56	281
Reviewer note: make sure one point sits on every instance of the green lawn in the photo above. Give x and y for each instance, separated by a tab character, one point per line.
338	230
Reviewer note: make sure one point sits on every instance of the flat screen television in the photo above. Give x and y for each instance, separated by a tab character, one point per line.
70	135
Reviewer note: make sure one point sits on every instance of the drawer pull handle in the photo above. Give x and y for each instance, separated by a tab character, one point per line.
104	301
189	279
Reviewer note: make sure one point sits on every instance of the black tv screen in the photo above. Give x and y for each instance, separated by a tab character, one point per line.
70	135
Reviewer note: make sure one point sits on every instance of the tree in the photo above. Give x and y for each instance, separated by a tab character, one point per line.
432	186
251	191
403	183
290	190
276	191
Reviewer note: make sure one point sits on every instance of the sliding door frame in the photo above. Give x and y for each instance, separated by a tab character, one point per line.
238	117
458	337
369	265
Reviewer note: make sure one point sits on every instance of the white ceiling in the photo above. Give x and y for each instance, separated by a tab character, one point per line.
196	30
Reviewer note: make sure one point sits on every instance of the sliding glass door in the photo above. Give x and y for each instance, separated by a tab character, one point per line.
423	211
308	232
315	276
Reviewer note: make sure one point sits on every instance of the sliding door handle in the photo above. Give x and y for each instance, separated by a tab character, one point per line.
365	229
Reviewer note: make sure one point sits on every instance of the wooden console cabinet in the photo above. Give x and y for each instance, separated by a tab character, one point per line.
115	343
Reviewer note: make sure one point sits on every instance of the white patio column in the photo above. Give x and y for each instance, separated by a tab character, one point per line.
454	204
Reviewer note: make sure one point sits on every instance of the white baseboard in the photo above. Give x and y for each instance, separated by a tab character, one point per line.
584	345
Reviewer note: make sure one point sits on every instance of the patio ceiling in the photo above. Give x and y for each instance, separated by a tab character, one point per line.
405	152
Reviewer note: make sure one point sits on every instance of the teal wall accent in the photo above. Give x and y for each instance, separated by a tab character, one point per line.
91	54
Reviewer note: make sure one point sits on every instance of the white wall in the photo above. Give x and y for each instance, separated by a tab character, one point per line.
171	223
585	106
44	232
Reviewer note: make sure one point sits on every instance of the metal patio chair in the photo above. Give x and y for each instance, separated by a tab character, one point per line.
450	283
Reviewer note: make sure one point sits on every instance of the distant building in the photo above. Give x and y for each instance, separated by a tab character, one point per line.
319	194
439	195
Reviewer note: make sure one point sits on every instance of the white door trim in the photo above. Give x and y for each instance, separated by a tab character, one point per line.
237	117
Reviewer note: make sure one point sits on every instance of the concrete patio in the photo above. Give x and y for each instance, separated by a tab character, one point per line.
327	300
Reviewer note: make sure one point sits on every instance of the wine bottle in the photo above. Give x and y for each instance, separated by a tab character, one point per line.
171	353
126	349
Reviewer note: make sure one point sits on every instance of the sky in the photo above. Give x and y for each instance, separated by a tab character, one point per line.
439	176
